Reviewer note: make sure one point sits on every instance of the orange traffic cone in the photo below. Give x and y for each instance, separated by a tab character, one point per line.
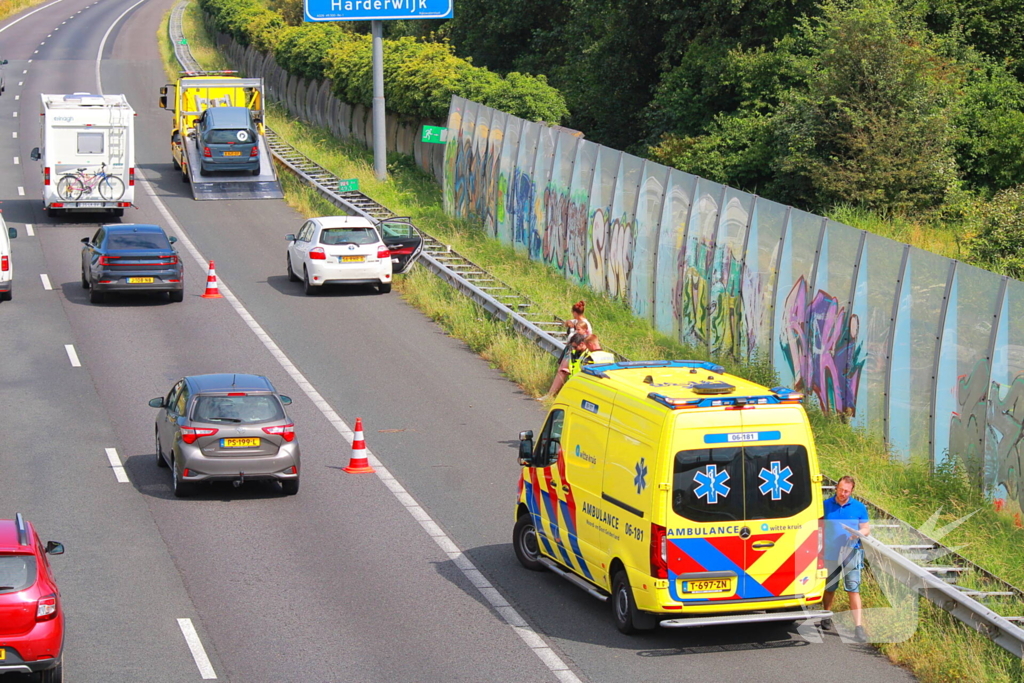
358	463
211	285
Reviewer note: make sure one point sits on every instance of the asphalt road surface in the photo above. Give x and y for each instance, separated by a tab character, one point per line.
405	576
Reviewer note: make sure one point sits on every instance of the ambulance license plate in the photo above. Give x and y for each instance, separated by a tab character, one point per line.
708	586
232	154
240	442
351	259
140	280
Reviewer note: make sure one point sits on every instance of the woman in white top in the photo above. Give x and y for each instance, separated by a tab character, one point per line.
578	324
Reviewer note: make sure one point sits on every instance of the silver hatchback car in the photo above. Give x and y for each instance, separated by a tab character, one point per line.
226	427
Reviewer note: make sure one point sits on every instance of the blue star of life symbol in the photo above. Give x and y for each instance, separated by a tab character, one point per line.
712	484
775	480
640	480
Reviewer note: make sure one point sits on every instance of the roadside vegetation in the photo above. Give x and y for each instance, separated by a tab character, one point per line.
942	649
11	7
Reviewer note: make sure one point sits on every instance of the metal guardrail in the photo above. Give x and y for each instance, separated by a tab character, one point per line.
503	302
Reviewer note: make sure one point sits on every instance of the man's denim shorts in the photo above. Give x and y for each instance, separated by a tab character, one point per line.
850	573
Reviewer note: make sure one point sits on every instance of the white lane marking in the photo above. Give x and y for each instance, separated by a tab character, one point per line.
21	191
196	646
25	71
17	97
28	15
14	133
73	355
46	281
15	114
115	464
533	640
99	53
35	53
29	230
16	162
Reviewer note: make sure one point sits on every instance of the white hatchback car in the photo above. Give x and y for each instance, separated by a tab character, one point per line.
6	260
339	250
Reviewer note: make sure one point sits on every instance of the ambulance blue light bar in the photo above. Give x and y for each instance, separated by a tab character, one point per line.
779	395
600	369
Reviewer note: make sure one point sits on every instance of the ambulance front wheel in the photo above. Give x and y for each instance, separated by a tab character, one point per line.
628	619
524	540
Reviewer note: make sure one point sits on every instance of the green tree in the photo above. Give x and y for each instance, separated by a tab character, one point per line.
875	125
997	240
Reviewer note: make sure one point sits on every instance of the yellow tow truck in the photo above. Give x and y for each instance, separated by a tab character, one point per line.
192	94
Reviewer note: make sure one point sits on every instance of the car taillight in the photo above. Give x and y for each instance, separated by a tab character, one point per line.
286	432
317	254
131	177
821	543
383	252
207	152
190	434
5	263
46	175
46	608
659	552
108	260
255	152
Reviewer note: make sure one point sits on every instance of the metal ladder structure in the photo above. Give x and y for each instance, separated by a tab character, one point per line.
116	136
968	592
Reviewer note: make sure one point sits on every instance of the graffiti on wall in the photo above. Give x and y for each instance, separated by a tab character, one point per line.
1006	431
819	341
695	286
726	317
967	424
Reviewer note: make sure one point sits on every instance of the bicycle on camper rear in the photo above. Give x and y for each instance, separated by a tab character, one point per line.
72	186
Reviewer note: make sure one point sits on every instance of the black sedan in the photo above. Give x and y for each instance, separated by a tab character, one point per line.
131	257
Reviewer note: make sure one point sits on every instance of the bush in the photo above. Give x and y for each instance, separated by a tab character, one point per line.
419	78
997	240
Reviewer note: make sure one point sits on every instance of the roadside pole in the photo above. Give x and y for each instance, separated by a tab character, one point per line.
372	11
380	144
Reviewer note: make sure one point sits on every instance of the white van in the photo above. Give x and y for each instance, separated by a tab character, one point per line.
6	261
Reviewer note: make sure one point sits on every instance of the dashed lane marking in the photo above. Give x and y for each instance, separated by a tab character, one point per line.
115	464
73	355
46	281
196	647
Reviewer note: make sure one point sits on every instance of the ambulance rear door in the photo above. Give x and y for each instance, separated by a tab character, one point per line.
742	527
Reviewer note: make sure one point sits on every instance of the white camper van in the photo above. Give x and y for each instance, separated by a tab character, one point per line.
88	153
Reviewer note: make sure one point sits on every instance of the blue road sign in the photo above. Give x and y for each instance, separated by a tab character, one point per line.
372	10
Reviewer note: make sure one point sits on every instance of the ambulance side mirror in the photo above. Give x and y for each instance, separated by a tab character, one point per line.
526	448
163	101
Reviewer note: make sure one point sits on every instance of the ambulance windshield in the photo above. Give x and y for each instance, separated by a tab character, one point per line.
741	483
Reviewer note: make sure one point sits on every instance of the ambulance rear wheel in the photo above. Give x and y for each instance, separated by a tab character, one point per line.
526	544
628	619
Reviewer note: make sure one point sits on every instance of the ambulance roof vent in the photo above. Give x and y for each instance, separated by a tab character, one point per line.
712	387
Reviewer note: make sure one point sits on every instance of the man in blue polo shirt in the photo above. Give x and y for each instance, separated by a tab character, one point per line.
844	556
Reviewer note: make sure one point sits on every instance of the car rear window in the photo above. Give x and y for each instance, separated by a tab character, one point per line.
138	240
229	135
248	409
348	236
17	572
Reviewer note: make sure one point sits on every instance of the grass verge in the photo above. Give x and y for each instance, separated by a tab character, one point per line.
9	8
941	649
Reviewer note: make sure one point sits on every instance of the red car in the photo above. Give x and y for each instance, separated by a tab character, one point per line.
31	618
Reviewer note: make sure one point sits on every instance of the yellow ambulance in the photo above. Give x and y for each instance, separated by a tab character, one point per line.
688	496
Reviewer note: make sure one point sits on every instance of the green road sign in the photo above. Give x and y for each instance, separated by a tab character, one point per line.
350	185
434	134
